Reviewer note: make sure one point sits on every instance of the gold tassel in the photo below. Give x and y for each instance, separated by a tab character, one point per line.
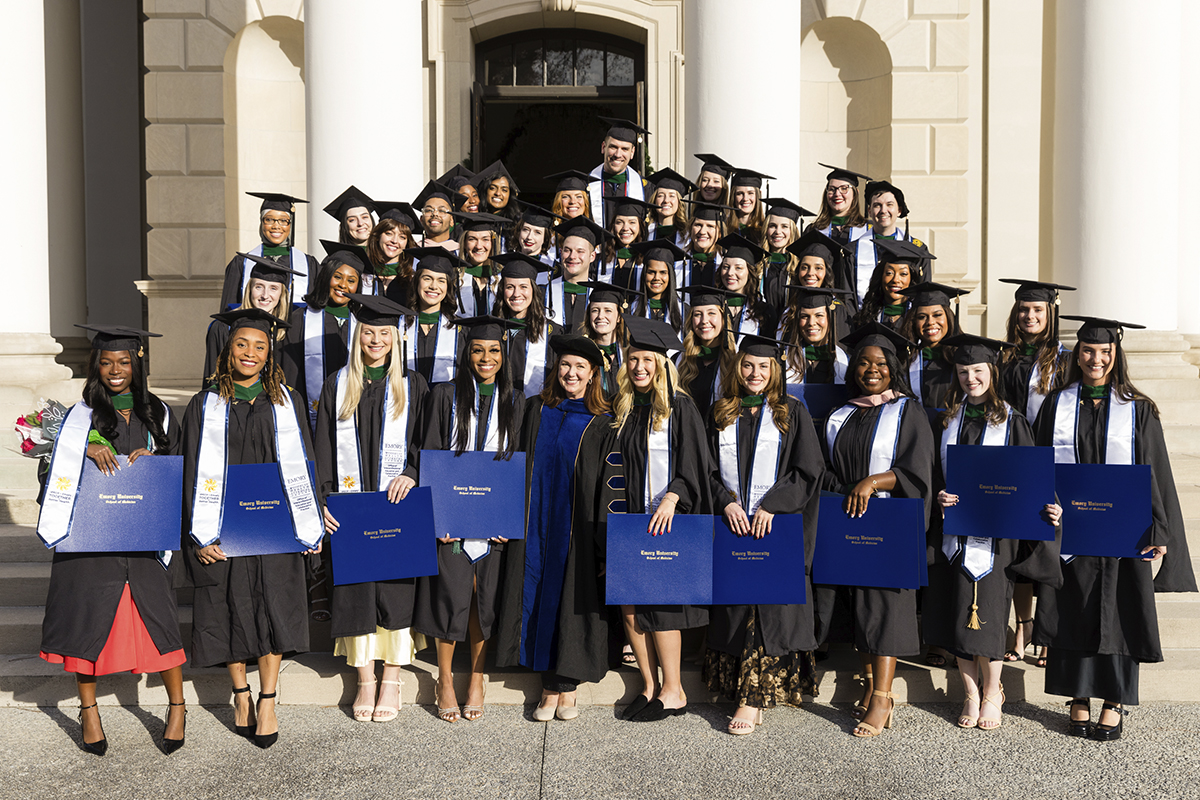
973	621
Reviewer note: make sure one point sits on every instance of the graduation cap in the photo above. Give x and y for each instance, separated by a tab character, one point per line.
815	243
494	170
519	265
623	130
275	201
875	187
457	172
715	164
843	174
1036	291
972	349
577	345
815	296
436	259
265	269
585	229
434	189
480	221
712	212
602	292
487	328
897	251
353	197
762	346
708	295
371	309
780	207
352	255
670	179
875	334
118	337
664	250
932	294
537	216
401	212
255	318
571	180
748	177
1097	330
632	207
651	334
737	246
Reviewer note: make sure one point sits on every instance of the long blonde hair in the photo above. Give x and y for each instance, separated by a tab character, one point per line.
283	307
793	260
726	410
354	376
666	377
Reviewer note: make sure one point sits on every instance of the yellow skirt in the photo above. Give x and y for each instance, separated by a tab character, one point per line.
392	647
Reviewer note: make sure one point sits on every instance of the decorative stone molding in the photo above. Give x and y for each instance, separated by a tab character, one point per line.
559	5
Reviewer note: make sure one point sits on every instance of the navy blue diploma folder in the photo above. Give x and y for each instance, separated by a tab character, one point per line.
377	540
137	509
257	520
1001	491
1106	508
474	495
770	570
885	547
674	568
820	399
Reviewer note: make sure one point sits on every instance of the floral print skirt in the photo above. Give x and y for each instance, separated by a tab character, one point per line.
757	679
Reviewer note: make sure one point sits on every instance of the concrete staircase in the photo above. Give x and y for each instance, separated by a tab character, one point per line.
319	678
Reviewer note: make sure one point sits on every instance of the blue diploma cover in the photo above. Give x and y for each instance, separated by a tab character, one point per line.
257	520
769	571
819	398
137	509
377	540
674	568
1106	508
885	547
474	495
1001	491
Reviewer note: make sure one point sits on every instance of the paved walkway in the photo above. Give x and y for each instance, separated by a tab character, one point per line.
323	753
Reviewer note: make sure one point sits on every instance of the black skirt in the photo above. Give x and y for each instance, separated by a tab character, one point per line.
443	606
1072	673
359	608
670	618
885	620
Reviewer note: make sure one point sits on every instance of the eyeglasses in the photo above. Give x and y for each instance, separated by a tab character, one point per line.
430	211
269	222
839	189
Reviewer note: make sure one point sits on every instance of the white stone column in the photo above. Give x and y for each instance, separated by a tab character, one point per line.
1116	154
1188	171
732	53
26	348
350	46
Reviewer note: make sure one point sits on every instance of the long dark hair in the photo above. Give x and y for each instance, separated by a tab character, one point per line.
449	302
404	267
876	297
509	209
535	315
146	407
1047	344
611	248
854	218
670	298
502	403
790	333
271	375
908	326
1118	377
899	375
318	291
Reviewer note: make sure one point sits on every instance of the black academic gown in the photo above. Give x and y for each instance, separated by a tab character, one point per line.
1014	379
612	365
249	606
937	376
704	386
768	320
946	604
86	588
575	636
1105	606
358	608
885	620
426	346
443	606
336	350
517	341
691	462
797	490
232	290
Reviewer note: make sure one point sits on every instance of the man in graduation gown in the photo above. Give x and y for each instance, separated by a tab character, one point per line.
618	178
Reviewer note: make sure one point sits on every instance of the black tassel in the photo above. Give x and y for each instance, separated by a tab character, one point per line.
404	349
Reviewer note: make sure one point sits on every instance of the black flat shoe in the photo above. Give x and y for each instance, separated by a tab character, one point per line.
1109	733
95	748
265	740
654	712
245	731
635	708
171	745
1082	727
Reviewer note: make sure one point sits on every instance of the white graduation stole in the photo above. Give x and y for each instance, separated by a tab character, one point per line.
595	190
980	556
212	463
556	297
916	372
606	270
764	466
314	356
659	464
445	351
393	451
841	363
864	257
466	297
884	439
299	283
478	548
66	468
549	258
746	324
1119	436
1034	398
535	363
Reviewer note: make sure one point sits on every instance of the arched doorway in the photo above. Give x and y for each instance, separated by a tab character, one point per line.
538	94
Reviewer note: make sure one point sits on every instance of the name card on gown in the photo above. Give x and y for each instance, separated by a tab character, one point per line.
673	568
256	520
137	509
474	495
819	398
1106	508
1001	491
378	540
885	547
768	571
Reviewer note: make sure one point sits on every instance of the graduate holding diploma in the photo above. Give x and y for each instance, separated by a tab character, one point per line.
879	443
368	425
1102	624
111	612
768	462
480	411
249	608
971	578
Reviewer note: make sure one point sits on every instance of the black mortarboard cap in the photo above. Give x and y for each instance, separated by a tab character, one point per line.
352	255
265	269
843	174
815	243
651	334
748	177
878	335
457	171
537	216
664	250
434	189
972	349
711	212
632	207
577	345
571	180
815	296
1097	330
519	265
932	294
761	346
372	309
436	259
1036	291
480	221
623	130
353	197
875	187
602	292
715	164
735	245
457	184
117	337
276	201
781	207
897	251
492	171
486	327
583	227
255	318
708	295
401	212
670	179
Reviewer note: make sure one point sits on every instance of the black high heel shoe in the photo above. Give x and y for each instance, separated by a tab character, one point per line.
1080	727
245	731
171	745
95	748
1109	733
265	740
